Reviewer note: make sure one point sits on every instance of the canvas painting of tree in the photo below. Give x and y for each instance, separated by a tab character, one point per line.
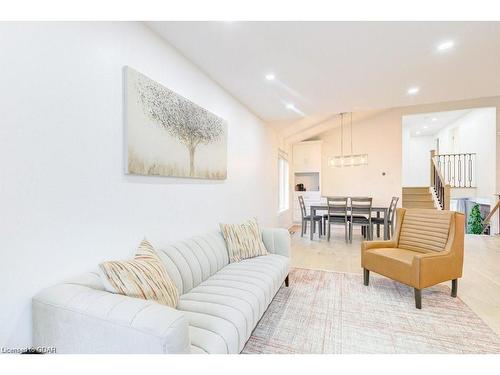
168	135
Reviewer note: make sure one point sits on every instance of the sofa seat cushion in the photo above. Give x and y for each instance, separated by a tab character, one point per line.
224	309
395	263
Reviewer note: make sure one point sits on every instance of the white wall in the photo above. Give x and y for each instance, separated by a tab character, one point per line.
376	136
416	159
475	132
65	202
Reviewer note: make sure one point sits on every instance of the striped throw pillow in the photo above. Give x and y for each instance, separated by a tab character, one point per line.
143	277
243	240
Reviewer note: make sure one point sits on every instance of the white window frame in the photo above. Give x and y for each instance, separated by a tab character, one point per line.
283	184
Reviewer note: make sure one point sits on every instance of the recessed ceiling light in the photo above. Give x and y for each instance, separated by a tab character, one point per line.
425	126
434	119
290	106
446	45
413	90
417	133
270	77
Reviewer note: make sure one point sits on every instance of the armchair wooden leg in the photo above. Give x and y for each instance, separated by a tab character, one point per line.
418	298
454	287
366	276
286	281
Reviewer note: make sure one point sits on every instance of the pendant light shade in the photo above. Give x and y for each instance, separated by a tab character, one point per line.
350	160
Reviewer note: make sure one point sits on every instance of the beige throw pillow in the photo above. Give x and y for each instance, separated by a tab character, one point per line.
143	277
243	240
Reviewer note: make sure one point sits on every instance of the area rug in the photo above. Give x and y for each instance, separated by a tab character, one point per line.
331	312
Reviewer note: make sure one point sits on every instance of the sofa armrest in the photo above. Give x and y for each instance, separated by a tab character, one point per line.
277	241
78	319
367	245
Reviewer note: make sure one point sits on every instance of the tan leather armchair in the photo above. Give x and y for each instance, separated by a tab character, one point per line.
427	249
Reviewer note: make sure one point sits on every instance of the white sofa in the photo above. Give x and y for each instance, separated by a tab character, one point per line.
220	304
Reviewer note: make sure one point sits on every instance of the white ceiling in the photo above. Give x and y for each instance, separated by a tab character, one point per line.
427	124
331	67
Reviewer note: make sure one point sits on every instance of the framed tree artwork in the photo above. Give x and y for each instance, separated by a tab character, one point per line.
168	135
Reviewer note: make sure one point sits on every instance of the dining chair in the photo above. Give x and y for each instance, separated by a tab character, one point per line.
391	212
361	214
337	214
308	218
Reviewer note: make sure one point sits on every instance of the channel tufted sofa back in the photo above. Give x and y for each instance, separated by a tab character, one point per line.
192	261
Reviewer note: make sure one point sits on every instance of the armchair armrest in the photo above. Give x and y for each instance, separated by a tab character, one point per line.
446	265
277	241
367	245
435	268
78	319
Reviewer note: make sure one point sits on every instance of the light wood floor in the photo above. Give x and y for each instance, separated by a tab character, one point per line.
479	287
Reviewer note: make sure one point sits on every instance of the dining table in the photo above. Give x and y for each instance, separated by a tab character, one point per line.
378	210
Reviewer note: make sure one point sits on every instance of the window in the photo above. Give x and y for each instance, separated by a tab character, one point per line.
283	186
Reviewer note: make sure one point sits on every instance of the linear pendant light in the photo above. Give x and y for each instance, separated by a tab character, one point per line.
350	160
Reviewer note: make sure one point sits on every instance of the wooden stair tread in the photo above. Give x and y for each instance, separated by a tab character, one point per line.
419	205
422	198
416	191
418	197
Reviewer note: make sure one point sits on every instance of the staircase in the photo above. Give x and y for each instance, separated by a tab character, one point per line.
418	197
447	171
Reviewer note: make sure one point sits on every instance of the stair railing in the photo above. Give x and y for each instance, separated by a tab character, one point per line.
458	170
439	184
486	221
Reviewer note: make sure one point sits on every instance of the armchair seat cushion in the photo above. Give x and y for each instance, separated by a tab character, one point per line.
394	263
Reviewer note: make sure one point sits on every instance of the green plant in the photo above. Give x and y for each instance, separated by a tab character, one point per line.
475	222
